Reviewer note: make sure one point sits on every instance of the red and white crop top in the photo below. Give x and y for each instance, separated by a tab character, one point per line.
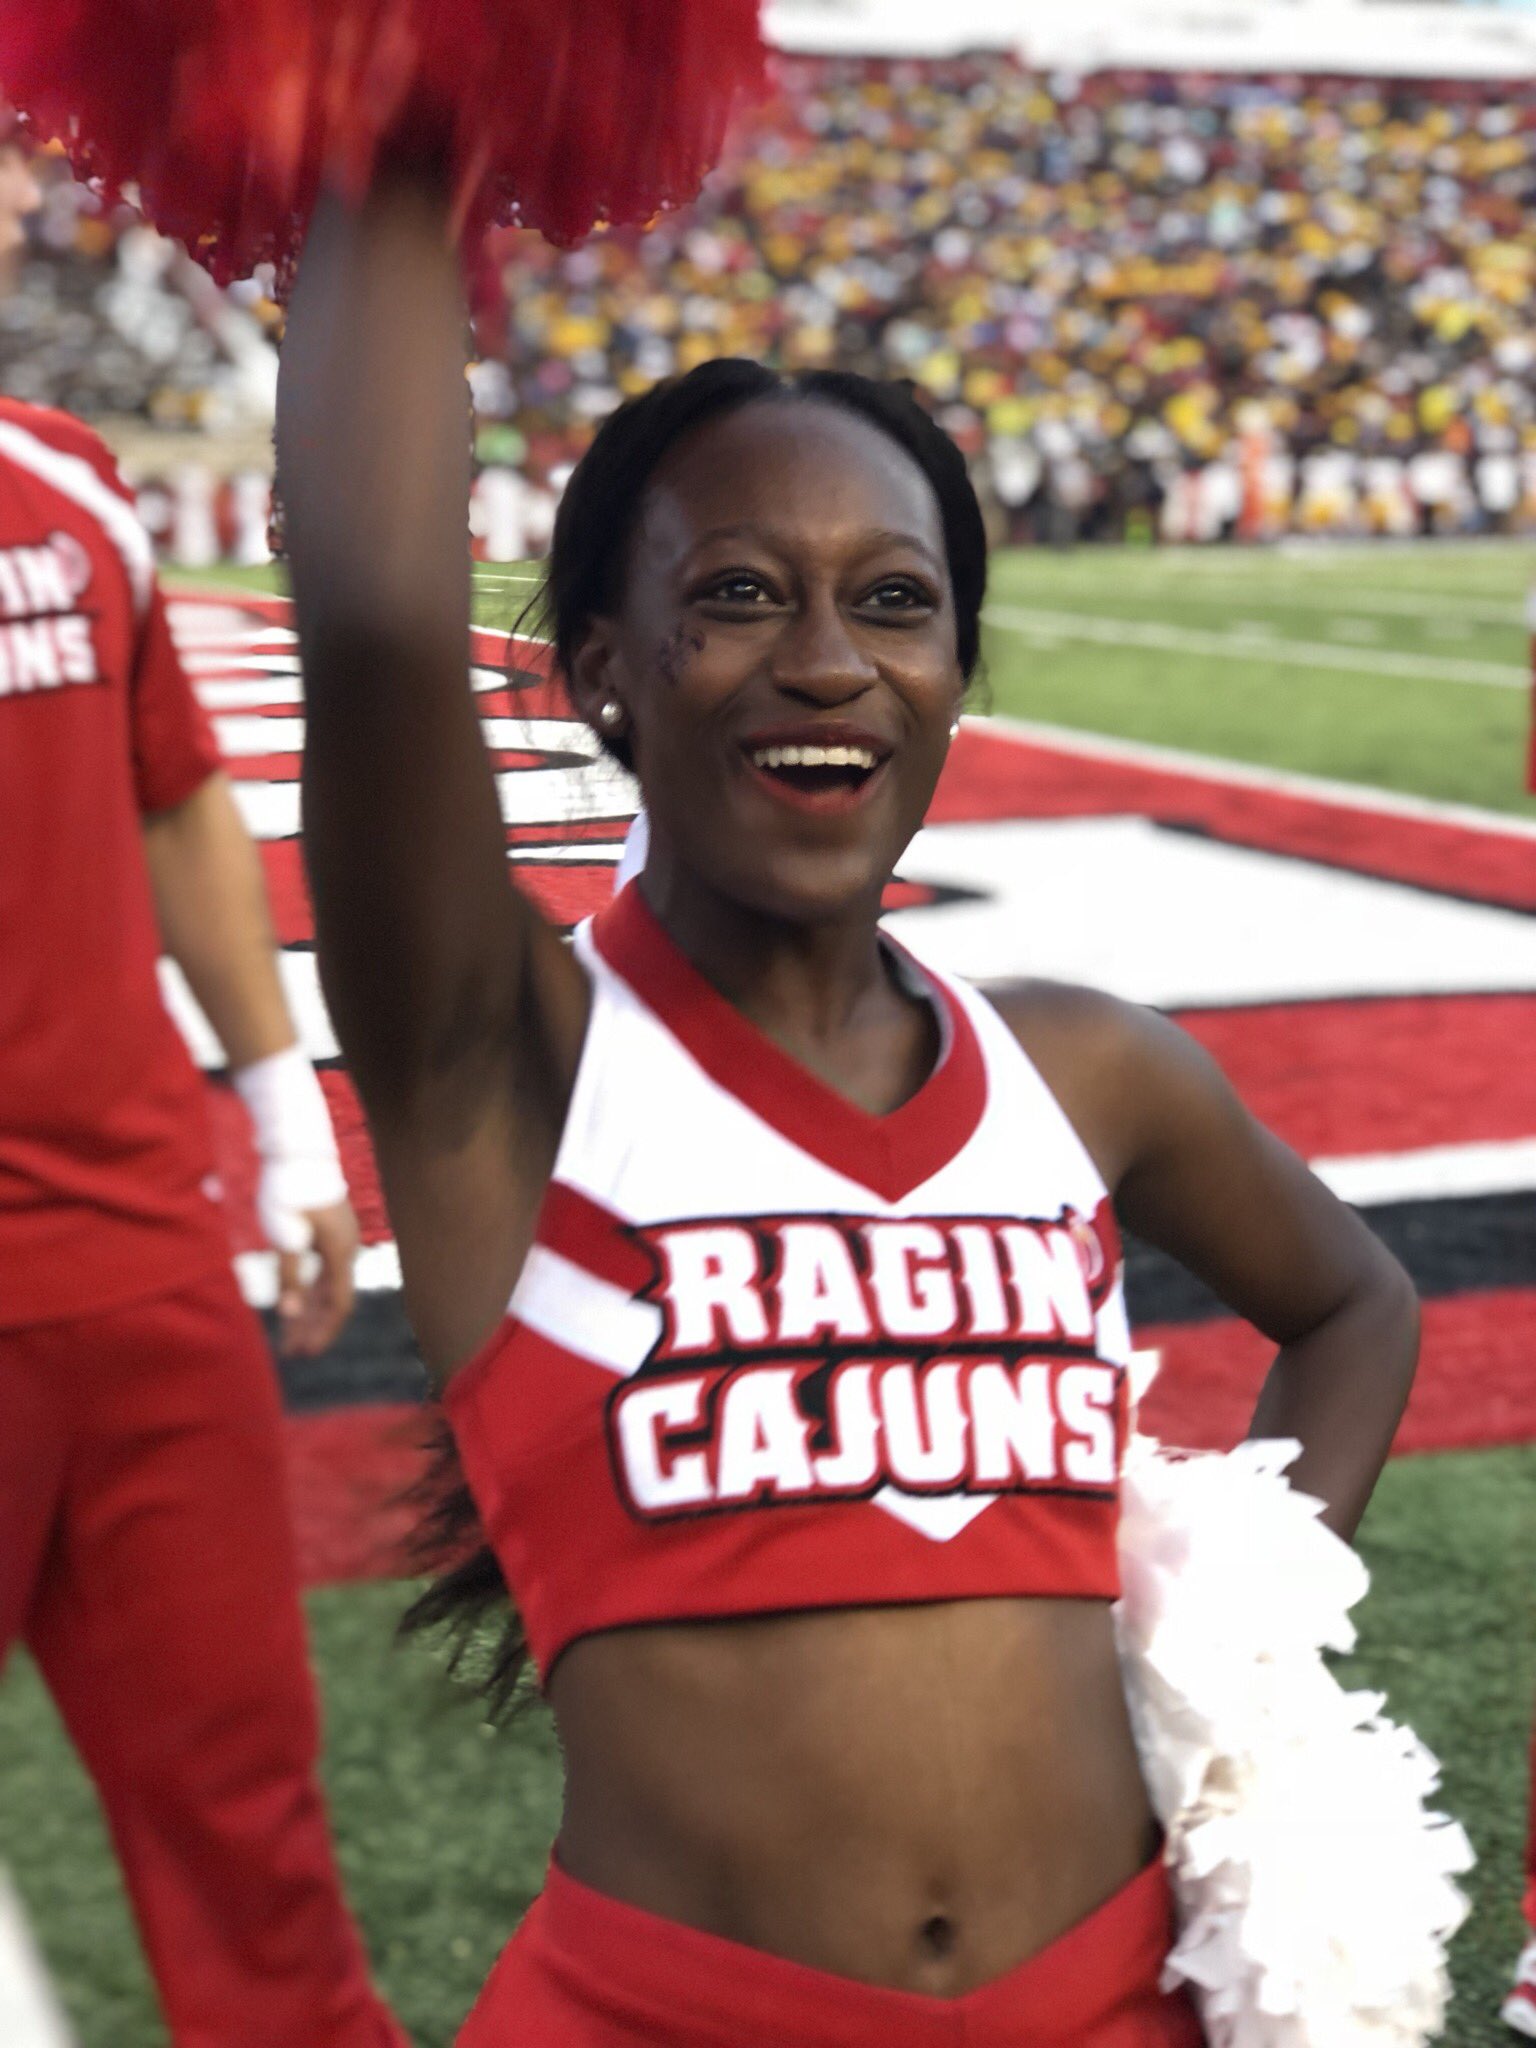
769	1352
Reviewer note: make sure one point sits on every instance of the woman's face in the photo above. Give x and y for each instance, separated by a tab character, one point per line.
785	657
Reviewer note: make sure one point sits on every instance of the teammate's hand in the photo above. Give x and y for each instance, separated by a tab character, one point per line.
316	1289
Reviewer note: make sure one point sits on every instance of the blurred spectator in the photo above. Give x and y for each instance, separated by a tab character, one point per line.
108	320
1200	307
1216	305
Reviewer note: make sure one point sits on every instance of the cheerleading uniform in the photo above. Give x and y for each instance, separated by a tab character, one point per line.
768	1353
146	1552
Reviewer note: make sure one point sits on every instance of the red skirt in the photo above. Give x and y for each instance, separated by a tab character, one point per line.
226	114
586	1971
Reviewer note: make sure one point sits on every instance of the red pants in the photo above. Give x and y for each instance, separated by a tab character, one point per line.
585	1971
147	1560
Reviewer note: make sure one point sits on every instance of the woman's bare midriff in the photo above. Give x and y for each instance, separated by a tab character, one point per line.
918	1797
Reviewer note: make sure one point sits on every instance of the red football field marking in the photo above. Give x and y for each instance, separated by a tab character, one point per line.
990	777
1475	1386
1341	1078
288	892
347	1471
348	1467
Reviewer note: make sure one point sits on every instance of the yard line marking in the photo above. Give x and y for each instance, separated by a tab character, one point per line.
249	696
1331	546
1322	789
1436	1172
1308	654
1425	605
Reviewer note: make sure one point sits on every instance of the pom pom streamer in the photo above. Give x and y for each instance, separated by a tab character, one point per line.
224	116
1315	1887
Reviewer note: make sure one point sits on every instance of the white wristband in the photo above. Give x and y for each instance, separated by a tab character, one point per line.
300	1167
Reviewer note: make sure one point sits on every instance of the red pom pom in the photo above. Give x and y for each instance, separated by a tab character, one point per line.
226	114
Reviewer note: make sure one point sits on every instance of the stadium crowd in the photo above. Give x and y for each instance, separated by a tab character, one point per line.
107	319
1143	304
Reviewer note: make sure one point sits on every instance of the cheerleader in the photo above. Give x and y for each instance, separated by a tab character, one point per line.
771	1277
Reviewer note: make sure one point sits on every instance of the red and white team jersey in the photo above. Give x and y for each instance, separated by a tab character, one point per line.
770	1352
104	1146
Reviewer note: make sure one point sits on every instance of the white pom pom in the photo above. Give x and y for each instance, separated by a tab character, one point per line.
30	2015
1314	1885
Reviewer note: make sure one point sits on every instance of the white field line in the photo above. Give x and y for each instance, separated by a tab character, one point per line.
1353	796
1504	1167
1184	584
1368	1181
1364	547
1308	654
1340	603
1333	550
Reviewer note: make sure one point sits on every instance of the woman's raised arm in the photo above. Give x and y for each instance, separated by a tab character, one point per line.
459	1010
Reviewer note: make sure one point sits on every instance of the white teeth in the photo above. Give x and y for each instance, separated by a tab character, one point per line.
815	757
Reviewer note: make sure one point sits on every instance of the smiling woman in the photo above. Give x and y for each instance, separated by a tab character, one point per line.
871	613
772	1278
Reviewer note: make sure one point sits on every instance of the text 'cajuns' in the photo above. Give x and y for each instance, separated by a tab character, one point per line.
837	1301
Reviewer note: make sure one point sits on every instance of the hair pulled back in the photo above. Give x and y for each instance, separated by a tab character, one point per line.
595	526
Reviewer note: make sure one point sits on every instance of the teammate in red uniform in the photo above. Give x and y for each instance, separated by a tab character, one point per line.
1519	2008
146	1556
791	1352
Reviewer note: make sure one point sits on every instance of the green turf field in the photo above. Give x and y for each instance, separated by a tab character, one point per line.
1406	669
444	1826
1402	666
1397	667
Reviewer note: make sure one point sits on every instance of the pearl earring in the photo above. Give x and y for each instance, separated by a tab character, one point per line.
954	730
610	714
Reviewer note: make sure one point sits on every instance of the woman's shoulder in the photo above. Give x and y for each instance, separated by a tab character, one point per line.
1099	1055
1066	1020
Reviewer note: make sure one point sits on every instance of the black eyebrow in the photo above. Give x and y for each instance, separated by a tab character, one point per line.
748	530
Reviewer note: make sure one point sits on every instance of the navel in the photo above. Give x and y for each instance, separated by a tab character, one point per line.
938	1935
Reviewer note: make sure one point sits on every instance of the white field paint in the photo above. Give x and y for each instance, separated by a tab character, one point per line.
1307	654
1220	580
1186	922
1369	1180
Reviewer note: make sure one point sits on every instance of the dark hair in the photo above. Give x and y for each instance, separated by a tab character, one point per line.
470	1590
588	561
589	555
